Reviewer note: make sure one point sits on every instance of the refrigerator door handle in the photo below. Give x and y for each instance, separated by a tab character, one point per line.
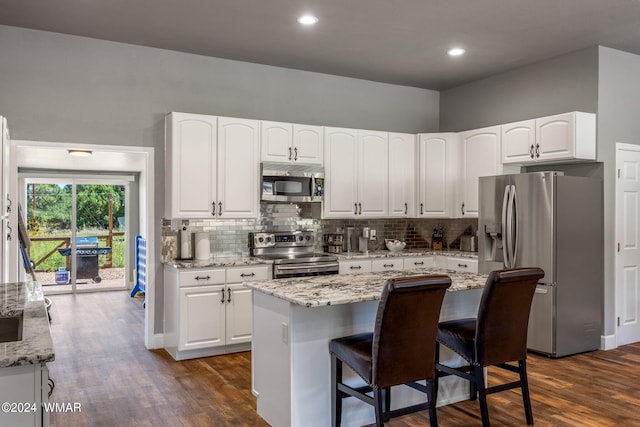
505	230
510	230
514	218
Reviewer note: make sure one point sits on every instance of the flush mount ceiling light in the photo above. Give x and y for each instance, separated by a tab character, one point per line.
456	51
80	153
307	20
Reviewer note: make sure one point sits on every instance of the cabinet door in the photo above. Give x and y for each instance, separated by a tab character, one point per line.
190	165
373	177
480	157
518	142
462	264
276	140
402	175
435	180
237	168
387	264
238	314
354	267
556	137
341	146
308	144
202	317
412	263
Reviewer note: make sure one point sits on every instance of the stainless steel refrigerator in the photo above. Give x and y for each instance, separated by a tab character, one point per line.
555	222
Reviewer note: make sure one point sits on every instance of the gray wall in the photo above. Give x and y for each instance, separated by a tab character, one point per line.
558	85
61	88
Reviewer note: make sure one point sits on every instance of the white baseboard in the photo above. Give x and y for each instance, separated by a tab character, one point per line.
608	342
157	341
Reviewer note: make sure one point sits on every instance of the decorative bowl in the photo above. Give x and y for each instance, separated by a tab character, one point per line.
395	245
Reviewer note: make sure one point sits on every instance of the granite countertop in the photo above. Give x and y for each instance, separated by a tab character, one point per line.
218	262
36	345
316	291
405	253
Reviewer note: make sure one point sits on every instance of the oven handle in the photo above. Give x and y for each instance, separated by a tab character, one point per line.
302	265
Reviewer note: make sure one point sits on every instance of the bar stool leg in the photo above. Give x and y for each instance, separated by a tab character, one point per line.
336	397
522	365
377	401
431	395
478	373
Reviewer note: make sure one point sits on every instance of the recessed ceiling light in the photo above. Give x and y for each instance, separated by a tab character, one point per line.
80	153
456	51
307	20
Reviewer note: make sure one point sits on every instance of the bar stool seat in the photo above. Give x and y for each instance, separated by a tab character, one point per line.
400	350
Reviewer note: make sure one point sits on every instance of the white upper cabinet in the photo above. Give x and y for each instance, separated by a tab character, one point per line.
238	168
211	167
190	165
437	156
355	173
288	143
560	138
402	175
479	156
372	173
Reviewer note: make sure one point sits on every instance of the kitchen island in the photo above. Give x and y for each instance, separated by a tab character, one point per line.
293	321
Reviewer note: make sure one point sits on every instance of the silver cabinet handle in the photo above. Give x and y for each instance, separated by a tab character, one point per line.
360	208
537	150
355	206
462	209
222	300
247	274
9	205
213	208
228	295
418	263
406	208
463	265
421	208
295	150
531	151
289	153
9	232
355	267
203	277
387	265
219	208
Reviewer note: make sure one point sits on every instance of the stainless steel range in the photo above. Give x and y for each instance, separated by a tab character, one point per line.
292	254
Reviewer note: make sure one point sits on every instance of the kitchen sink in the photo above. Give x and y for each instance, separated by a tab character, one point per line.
11	328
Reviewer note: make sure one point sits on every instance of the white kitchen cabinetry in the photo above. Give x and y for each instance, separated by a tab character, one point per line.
7	230
211	167
387	264
559	138
402	175
356	173
437	156
27	386
208	310
354	266
412	263
479	156
291	143
462	264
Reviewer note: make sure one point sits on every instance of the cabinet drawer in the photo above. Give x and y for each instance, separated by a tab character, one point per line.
354	267
199	277
242	274
463	264
412	263
387	264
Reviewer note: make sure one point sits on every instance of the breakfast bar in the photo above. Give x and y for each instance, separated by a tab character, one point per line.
293	321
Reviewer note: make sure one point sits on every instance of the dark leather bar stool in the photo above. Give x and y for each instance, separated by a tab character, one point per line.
401	349
497	336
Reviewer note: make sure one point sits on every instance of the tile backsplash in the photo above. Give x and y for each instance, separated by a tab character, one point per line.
230	237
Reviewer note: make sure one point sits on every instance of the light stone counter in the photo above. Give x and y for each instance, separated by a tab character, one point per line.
405	253
218	262
336	289
36	345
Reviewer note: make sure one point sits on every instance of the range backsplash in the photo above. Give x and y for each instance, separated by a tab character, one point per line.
230	237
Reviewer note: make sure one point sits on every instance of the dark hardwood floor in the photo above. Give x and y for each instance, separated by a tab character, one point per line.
101	363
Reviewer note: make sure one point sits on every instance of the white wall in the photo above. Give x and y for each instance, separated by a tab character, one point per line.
56	87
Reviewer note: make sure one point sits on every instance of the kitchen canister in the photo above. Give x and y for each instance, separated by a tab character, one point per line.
202	246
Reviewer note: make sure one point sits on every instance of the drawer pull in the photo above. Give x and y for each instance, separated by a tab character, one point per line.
229	295
418	263
247	274
355	267
203	278
387	265
222	300
463	265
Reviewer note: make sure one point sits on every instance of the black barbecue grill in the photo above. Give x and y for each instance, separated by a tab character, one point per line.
87	252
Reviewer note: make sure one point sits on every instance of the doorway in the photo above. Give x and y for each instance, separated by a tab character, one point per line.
78	231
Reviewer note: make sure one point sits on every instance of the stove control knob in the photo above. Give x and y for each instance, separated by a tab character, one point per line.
269	239
300	238
260	239
307	238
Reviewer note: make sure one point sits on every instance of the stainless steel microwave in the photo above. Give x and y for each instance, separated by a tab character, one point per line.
284	182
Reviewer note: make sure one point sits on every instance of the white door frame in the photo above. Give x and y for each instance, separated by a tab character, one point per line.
144	165
618	277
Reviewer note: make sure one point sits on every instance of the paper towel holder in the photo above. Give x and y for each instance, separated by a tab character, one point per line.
186	243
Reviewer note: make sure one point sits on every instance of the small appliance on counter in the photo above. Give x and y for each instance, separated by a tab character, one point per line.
334	242
469	241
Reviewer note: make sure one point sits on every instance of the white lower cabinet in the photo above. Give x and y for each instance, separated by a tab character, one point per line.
387	264
354	266
462	264
411	263
208	310
26	386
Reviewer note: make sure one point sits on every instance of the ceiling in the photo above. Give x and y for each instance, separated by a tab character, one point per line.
402	42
